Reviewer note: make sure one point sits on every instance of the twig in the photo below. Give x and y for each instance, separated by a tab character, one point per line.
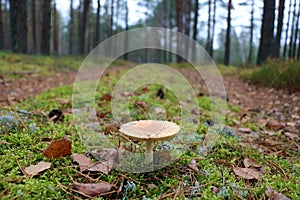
22	122
64	188
21	168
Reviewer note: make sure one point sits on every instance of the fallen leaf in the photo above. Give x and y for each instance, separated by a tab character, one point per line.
103	114
141	104
193	165
106	97
102	166
110	128
291	124
275	125
291	135
107	153
36	169
250	162
92	189
261	122
245	130
83	161
274	195
159	111
59	148
246	173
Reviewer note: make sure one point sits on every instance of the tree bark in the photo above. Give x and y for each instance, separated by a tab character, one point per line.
292	31
55	30
46	27
279	28
71	28
213	29
296	33
251	33
287	30
97	31
196	11
18	25
126	28
1	29
267	32
34	30
179	15
86	5
208	28
227	42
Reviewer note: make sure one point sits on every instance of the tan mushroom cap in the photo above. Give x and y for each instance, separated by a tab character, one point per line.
153	130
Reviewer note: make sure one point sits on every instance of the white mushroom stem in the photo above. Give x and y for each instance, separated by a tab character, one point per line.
149	151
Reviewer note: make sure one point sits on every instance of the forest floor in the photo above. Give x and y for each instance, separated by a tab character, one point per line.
266	121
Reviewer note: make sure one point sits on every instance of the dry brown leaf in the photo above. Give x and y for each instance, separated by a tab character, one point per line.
245	130
106	97
92	189
291	135
110	128
261	122
246	173
103	166
83	161
36	169
193	165
59	148
63	101
250	162
275	125
141	104
274	195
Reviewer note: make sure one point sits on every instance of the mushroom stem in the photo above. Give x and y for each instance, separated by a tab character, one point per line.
149	151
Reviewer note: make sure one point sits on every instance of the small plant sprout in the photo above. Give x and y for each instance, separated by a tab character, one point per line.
149	131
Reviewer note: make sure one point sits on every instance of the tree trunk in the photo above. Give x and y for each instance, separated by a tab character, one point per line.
213	30
71	28
55	30
18	25
34	30
6	32
296	32
86	5
251	34
179	15
292	31
97	31
208	28
46	27
227	42
279	28
267	32
195	31
126	28
111	17
1	28
287	30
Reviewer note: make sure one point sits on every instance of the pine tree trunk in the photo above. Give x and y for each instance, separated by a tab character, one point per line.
46	27
213	30
227	42
196	11
18	25
251	34
208	28
1	29
97	31
179	15
71	28
279	28
292	31
126	28
267	32
86	5
6	23
287	30
296	33
33	10
55	30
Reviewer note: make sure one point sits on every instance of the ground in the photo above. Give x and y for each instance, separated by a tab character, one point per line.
257	156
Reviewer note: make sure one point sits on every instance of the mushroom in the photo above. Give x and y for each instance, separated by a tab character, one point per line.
149	131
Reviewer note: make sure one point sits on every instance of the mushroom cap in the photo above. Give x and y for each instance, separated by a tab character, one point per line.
153	130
